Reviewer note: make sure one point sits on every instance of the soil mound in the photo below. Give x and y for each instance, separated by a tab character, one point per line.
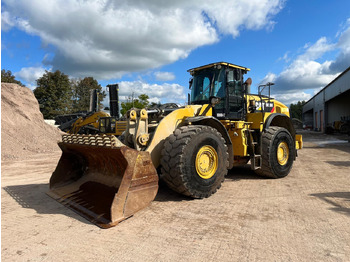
23	130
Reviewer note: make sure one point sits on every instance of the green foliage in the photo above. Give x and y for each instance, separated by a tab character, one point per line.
57	95
54	93
7	77
81	93
296	110
140	102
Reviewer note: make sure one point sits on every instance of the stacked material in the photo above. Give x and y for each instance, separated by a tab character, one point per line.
24	132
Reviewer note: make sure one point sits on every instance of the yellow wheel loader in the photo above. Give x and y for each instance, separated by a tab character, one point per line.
193	147
112	125
95	121
84	122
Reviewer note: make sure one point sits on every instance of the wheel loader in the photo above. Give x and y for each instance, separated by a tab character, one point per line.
190	148
95	121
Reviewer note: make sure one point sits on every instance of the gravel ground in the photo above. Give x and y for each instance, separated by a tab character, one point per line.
303	217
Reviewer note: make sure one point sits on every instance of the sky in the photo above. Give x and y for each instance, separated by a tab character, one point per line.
148	46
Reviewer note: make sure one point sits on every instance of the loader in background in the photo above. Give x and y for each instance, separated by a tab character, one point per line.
107	180
83	122
95	121
113	124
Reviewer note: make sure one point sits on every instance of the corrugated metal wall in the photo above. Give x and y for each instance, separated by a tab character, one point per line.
330	104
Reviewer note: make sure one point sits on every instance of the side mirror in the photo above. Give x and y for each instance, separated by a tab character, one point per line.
214	100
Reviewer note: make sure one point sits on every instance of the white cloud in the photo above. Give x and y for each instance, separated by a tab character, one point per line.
316	50
342	61
292	98
303	74
285	57
29	75
164	76
231	16
309	71
270	77
6	21
107	39
157	93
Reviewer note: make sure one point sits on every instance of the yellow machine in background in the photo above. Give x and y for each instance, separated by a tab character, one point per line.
111	126
88	124
107	180
95	121
83	122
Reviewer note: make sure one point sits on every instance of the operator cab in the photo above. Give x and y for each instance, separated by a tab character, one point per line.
223	80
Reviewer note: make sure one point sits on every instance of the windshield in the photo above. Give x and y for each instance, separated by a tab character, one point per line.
207	83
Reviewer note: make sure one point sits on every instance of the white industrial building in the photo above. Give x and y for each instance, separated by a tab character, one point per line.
331	104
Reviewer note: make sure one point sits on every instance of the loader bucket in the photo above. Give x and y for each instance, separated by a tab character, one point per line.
105	182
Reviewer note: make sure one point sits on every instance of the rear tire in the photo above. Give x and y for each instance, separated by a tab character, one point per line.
278	151
194	161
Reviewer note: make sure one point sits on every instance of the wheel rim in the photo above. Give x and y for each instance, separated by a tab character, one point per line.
206	162
282	153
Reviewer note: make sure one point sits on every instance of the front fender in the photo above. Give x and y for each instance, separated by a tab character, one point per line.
166	127
215	123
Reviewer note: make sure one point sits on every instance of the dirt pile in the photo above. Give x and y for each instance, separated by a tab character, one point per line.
23	130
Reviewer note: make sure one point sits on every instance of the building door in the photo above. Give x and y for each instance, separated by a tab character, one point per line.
321	120
316	125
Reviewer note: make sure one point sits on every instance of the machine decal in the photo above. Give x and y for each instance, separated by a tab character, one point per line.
265	106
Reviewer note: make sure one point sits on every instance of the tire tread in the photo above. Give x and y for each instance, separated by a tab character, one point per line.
172	160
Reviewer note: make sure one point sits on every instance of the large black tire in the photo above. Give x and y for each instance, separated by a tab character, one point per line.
181	151
274	140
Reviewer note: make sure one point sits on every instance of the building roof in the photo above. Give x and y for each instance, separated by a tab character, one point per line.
335	79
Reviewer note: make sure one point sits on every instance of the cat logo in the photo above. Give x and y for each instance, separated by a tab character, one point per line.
264	106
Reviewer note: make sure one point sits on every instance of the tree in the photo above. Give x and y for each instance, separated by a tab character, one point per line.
7	77
140	102
81	93
54	93
296	110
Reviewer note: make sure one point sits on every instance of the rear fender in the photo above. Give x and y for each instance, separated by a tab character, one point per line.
284	121
280	120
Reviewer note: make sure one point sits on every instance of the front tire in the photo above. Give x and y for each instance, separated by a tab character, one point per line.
278	151
194	161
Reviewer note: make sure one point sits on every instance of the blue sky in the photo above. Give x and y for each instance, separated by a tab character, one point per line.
147	46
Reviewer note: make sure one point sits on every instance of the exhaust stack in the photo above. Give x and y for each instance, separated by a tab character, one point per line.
94	101
114	100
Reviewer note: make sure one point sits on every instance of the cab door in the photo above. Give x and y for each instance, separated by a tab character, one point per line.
235	94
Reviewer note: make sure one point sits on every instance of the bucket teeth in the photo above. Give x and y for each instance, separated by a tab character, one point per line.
102	179
92	140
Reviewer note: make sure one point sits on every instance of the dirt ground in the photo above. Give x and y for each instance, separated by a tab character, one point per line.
303	217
